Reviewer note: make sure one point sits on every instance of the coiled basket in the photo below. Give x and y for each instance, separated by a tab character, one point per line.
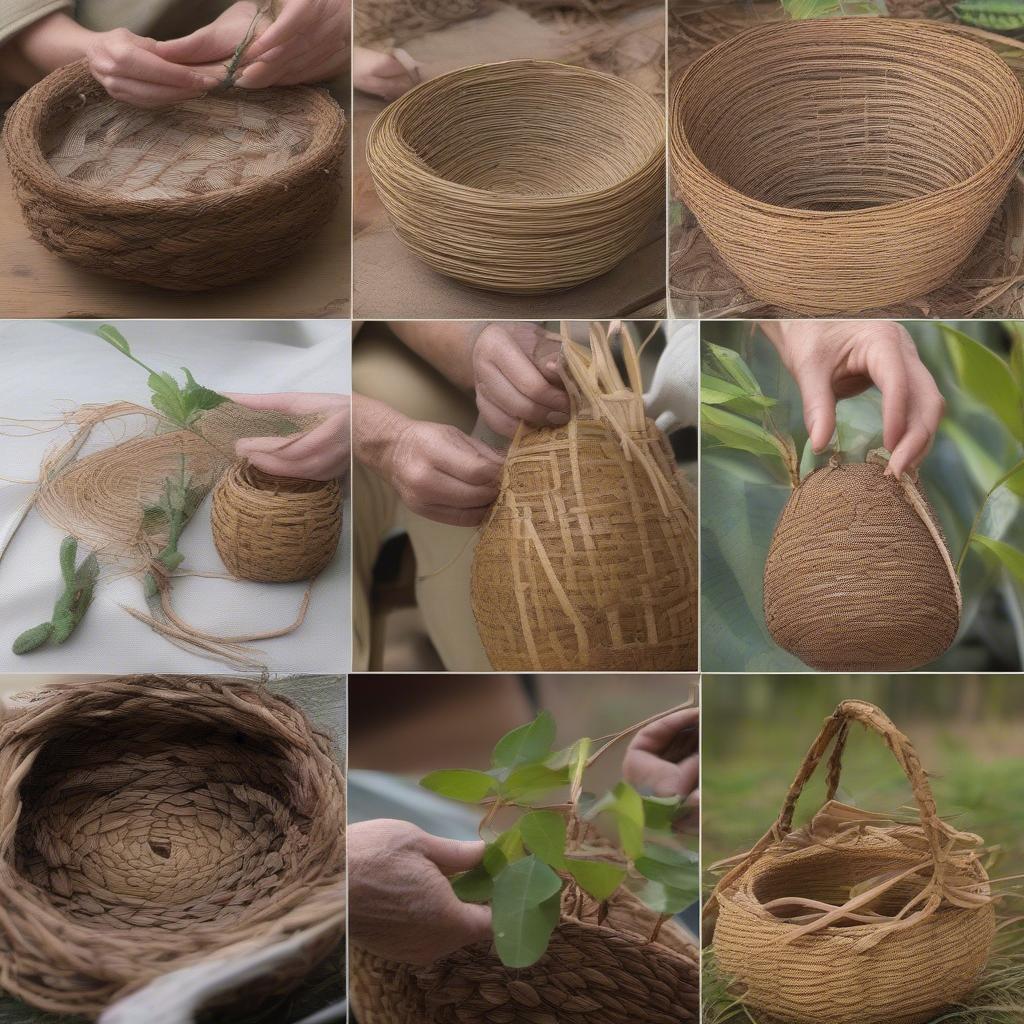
839	165
203	194
608	973
521	177
855	919
149	823
274	529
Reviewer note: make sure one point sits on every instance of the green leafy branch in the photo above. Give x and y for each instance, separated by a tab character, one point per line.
526	867
178	502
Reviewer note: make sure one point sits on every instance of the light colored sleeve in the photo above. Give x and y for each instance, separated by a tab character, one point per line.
16	15
673	398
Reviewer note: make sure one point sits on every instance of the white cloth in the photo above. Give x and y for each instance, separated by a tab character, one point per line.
673	399
47	367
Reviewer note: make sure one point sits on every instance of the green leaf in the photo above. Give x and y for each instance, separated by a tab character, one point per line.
715	391
88	572
663	864
530	742
474	886
986	378
543	835
506	849
625	805
458	784
113	336
801	9
525	907
664	899
734	431
1010	557
199	398
597	878
661	811
736	369
993	15
532	781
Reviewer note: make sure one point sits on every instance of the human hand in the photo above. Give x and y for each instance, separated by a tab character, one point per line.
401	905
834	359
322	453
515	373
663	758
381	74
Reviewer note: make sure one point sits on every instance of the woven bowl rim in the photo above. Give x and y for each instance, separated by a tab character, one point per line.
681	151
455	190
27	156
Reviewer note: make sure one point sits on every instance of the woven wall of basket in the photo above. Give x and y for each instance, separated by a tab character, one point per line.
855	918
607	973
275	529
206	193
838	165
522	177
858	577
588	558
149	823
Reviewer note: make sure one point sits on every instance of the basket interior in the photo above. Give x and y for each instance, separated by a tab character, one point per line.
260	481
207	145
823	120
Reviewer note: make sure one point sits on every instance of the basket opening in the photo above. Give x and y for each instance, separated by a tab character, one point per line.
261	481
204	146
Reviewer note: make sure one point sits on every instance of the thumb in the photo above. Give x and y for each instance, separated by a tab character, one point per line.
203	45
819	402
452	856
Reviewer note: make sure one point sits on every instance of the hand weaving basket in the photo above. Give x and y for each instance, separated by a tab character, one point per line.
150	823
607	973
858	578
203	194
843	164
855	919
275	529
522	177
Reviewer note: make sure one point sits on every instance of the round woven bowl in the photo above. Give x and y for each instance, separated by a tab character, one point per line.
522	177
149	823
203	194
843	164
275	529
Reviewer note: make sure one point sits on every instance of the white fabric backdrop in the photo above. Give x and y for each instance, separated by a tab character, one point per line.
46	367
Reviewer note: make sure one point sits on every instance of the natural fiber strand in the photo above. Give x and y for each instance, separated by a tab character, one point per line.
401	20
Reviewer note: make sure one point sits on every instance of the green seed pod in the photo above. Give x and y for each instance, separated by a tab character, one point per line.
32	638
62	627
995	15
68	554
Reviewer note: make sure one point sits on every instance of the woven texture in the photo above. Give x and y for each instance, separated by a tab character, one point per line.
522	177
275	529
845	164
149	823
858	578
591	974
399	20
856	919
203	194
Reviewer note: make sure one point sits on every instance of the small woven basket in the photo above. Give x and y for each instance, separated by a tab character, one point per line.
608	973
275	529
844	164
150	823
855	919
522	177
196	196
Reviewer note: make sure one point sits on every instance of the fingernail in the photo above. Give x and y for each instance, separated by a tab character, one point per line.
558	419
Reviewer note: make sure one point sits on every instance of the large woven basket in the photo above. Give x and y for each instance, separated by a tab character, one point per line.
608	973
203	194
918	936
522	177
149	823
844	164
275	529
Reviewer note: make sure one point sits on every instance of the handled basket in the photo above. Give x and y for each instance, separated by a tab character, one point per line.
845	164
855	919
203	194
150	823
522	177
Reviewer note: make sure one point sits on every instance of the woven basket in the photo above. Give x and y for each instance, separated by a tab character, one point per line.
844	164
149	823
275	529
203	194
919	936
858	578
522	177
592	973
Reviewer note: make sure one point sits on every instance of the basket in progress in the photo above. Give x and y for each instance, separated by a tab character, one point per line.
275	529
522	177
608	973
855	919
196	196
844	164
150	823
858	577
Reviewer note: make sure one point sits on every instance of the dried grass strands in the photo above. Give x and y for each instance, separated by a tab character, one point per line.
399	20
843	164
523	177
209	192
588	559
892	921
149	823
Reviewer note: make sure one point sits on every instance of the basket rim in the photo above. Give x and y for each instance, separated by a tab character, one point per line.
28	157
455	190
682	151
